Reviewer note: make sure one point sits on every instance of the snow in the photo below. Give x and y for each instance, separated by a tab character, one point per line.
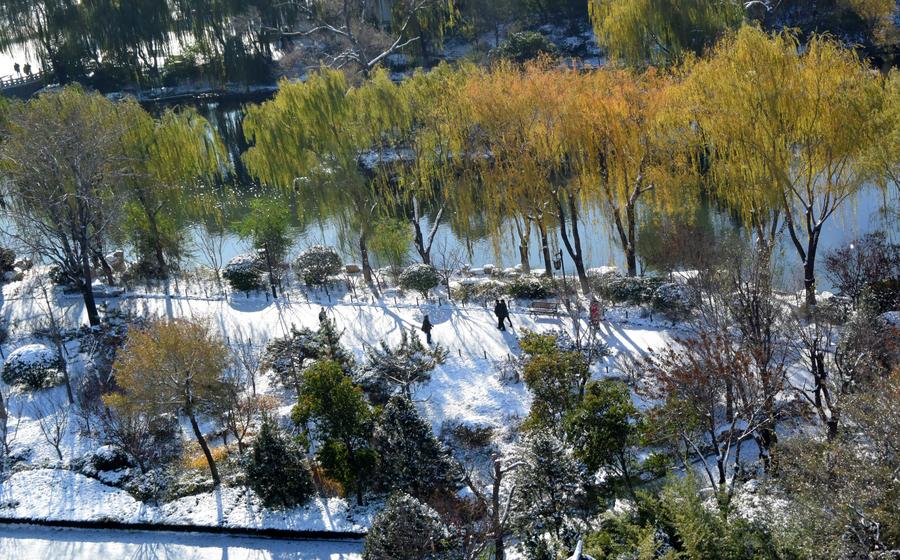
32	355
468	389
29	543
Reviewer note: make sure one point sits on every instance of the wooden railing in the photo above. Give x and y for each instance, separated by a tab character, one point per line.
10	82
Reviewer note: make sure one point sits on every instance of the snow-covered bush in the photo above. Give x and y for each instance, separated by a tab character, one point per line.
635	290
421	278
34	366
406	529
488	290
243	273
530	287
109	458
277	470
674	299
316	264
7	259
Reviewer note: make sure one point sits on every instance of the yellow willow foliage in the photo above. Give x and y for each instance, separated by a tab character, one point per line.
517	145
620	142
311	137
786	128
643	32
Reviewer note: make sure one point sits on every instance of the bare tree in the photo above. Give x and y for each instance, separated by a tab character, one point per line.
495	495
350	33
449	260
55	330
209	241
8	433
53	419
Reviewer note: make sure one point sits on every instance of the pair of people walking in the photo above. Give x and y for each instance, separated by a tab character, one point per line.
501	310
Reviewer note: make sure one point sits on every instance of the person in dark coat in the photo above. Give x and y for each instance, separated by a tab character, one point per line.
322	316
426	328
498	311
505	312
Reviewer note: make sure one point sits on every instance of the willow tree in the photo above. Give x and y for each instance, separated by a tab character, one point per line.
169	154
621	149
62	156
429	138
311	139
660	32
788	130
515	115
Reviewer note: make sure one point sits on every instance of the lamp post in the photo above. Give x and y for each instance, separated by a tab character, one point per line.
560	264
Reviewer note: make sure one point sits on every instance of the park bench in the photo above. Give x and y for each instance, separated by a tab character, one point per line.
544	308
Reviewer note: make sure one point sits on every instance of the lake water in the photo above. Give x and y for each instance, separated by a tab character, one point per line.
43	543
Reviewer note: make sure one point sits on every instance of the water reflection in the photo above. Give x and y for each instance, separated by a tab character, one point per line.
37	543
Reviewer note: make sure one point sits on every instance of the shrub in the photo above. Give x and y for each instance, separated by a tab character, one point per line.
884	295
316	264
626	289
243	273
529	287
479	291
524	46
58	276
406	529
34	366
7	259
674	299
420	277
277	470
109	458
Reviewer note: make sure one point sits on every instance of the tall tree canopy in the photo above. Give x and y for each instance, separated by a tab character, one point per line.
788	132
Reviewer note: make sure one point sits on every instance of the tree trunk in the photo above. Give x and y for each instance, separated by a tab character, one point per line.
87	290
364	257
573	247
524	238
630	246
157	246
545	249
496	521
203	445
271	270
809	268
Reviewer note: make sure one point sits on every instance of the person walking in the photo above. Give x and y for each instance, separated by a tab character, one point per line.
505	311
498	312
323	316
426	328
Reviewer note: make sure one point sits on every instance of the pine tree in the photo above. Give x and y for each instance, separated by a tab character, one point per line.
277	470
406	529
329	347
400	367
287	357
410	457
549	491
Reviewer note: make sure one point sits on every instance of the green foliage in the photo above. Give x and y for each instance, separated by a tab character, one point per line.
165	234
316	264
660	32
390	242
277	470
243	273
340	419
420	277
33	367
535	344
410	457
406	529
529	287
389	369
554	379
524	46
7	259
602	427
267	226
635	290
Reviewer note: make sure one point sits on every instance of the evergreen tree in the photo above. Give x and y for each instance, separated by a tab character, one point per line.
601	428
410	457
400	367
341	420
549	493
287	357
329	347
406	529
277	470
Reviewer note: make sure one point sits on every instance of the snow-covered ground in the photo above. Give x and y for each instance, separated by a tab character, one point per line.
30	543
467	389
